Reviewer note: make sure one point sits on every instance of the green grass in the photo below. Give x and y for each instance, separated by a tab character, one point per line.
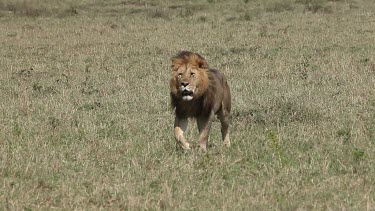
86	120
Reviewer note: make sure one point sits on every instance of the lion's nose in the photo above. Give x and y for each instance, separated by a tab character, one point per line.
184	84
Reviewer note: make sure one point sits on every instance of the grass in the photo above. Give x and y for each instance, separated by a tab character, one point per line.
86	121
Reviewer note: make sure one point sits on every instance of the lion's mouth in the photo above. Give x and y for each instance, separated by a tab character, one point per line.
187	93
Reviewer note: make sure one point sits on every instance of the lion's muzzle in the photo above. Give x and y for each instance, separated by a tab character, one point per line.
186	93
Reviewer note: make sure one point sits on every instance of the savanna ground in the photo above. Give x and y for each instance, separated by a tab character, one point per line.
86	120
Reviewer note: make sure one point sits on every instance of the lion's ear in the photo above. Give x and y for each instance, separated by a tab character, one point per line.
173	67
202	63
176	63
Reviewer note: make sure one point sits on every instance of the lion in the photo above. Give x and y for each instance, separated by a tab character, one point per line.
199	92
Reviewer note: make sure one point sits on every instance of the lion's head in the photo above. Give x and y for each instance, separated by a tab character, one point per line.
189	76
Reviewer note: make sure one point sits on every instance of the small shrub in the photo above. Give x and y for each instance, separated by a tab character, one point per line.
276	146
53	122
280	6
24	8
202	19
345	134
159	14
287	112
314	5
17	130
251	15
38	8
358	154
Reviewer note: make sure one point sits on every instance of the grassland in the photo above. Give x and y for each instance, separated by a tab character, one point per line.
85	119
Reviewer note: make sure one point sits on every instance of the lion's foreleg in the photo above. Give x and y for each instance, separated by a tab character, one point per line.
180	126
204	125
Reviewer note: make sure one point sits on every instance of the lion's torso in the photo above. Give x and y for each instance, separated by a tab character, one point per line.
215	92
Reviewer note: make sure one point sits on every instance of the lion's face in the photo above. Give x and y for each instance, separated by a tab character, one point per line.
189	77
186	82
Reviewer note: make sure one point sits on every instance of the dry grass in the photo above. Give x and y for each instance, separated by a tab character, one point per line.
85	111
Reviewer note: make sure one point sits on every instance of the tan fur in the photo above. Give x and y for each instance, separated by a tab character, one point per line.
201	93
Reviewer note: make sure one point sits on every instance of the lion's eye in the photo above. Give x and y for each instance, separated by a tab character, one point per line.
192	74
179	75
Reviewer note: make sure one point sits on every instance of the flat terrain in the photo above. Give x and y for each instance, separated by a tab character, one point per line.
85	118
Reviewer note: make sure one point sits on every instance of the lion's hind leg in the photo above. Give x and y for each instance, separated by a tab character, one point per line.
204	126
223	115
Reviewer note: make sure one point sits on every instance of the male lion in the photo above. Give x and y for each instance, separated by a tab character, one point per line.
198	92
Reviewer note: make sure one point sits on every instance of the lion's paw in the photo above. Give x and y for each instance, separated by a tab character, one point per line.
185	146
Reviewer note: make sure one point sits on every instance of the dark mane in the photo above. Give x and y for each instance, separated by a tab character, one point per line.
209	96
185	55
